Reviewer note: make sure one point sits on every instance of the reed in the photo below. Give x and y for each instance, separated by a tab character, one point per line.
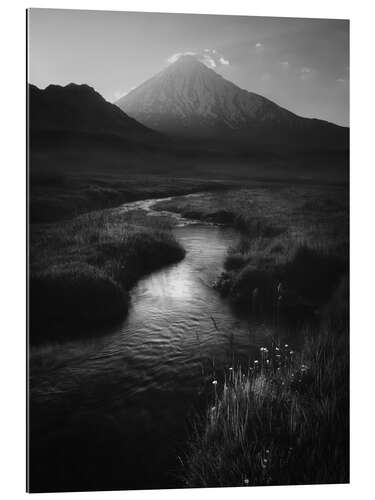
282	419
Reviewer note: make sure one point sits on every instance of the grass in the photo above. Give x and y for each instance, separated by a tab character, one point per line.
283	419
293	243
282	422
81	270
57	195
67	182
295	287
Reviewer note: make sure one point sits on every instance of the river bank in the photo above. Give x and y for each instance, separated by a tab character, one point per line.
124	397
281	418
293	248
81	270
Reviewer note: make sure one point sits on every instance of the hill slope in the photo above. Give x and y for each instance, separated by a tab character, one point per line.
191	100
78	113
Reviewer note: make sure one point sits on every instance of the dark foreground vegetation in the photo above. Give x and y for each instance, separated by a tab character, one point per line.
282	418
81	269
279	422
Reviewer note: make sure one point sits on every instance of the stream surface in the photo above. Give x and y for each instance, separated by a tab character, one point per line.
112	412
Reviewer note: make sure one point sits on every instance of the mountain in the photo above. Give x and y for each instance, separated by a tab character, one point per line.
79	114
188	99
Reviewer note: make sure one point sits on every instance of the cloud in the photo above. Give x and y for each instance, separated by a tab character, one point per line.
208	61
210	57
223	61
258	48
175	57
305	73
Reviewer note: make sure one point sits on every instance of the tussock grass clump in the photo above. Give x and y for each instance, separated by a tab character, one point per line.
308	278
81	270
76	291
283	419
230	208
293	236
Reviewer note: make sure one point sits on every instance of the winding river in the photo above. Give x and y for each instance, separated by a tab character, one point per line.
125	397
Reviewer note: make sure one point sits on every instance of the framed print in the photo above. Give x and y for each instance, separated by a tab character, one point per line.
188	250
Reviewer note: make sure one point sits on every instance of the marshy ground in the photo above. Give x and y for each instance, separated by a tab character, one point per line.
294	237
256	420
282	418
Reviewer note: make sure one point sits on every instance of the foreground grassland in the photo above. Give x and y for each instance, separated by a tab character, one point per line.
81	269
284	418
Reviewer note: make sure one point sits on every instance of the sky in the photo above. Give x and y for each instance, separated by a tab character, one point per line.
301	64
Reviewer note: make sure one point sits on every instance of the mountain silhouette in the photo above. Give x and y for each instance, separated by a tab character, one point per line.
78	114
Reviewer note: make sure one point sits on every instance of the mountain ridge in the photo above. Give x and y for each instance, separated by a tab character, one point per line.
191	100
78	111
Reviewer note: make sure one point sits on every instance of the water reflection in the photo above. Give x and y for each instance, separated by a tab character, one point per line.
145	374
